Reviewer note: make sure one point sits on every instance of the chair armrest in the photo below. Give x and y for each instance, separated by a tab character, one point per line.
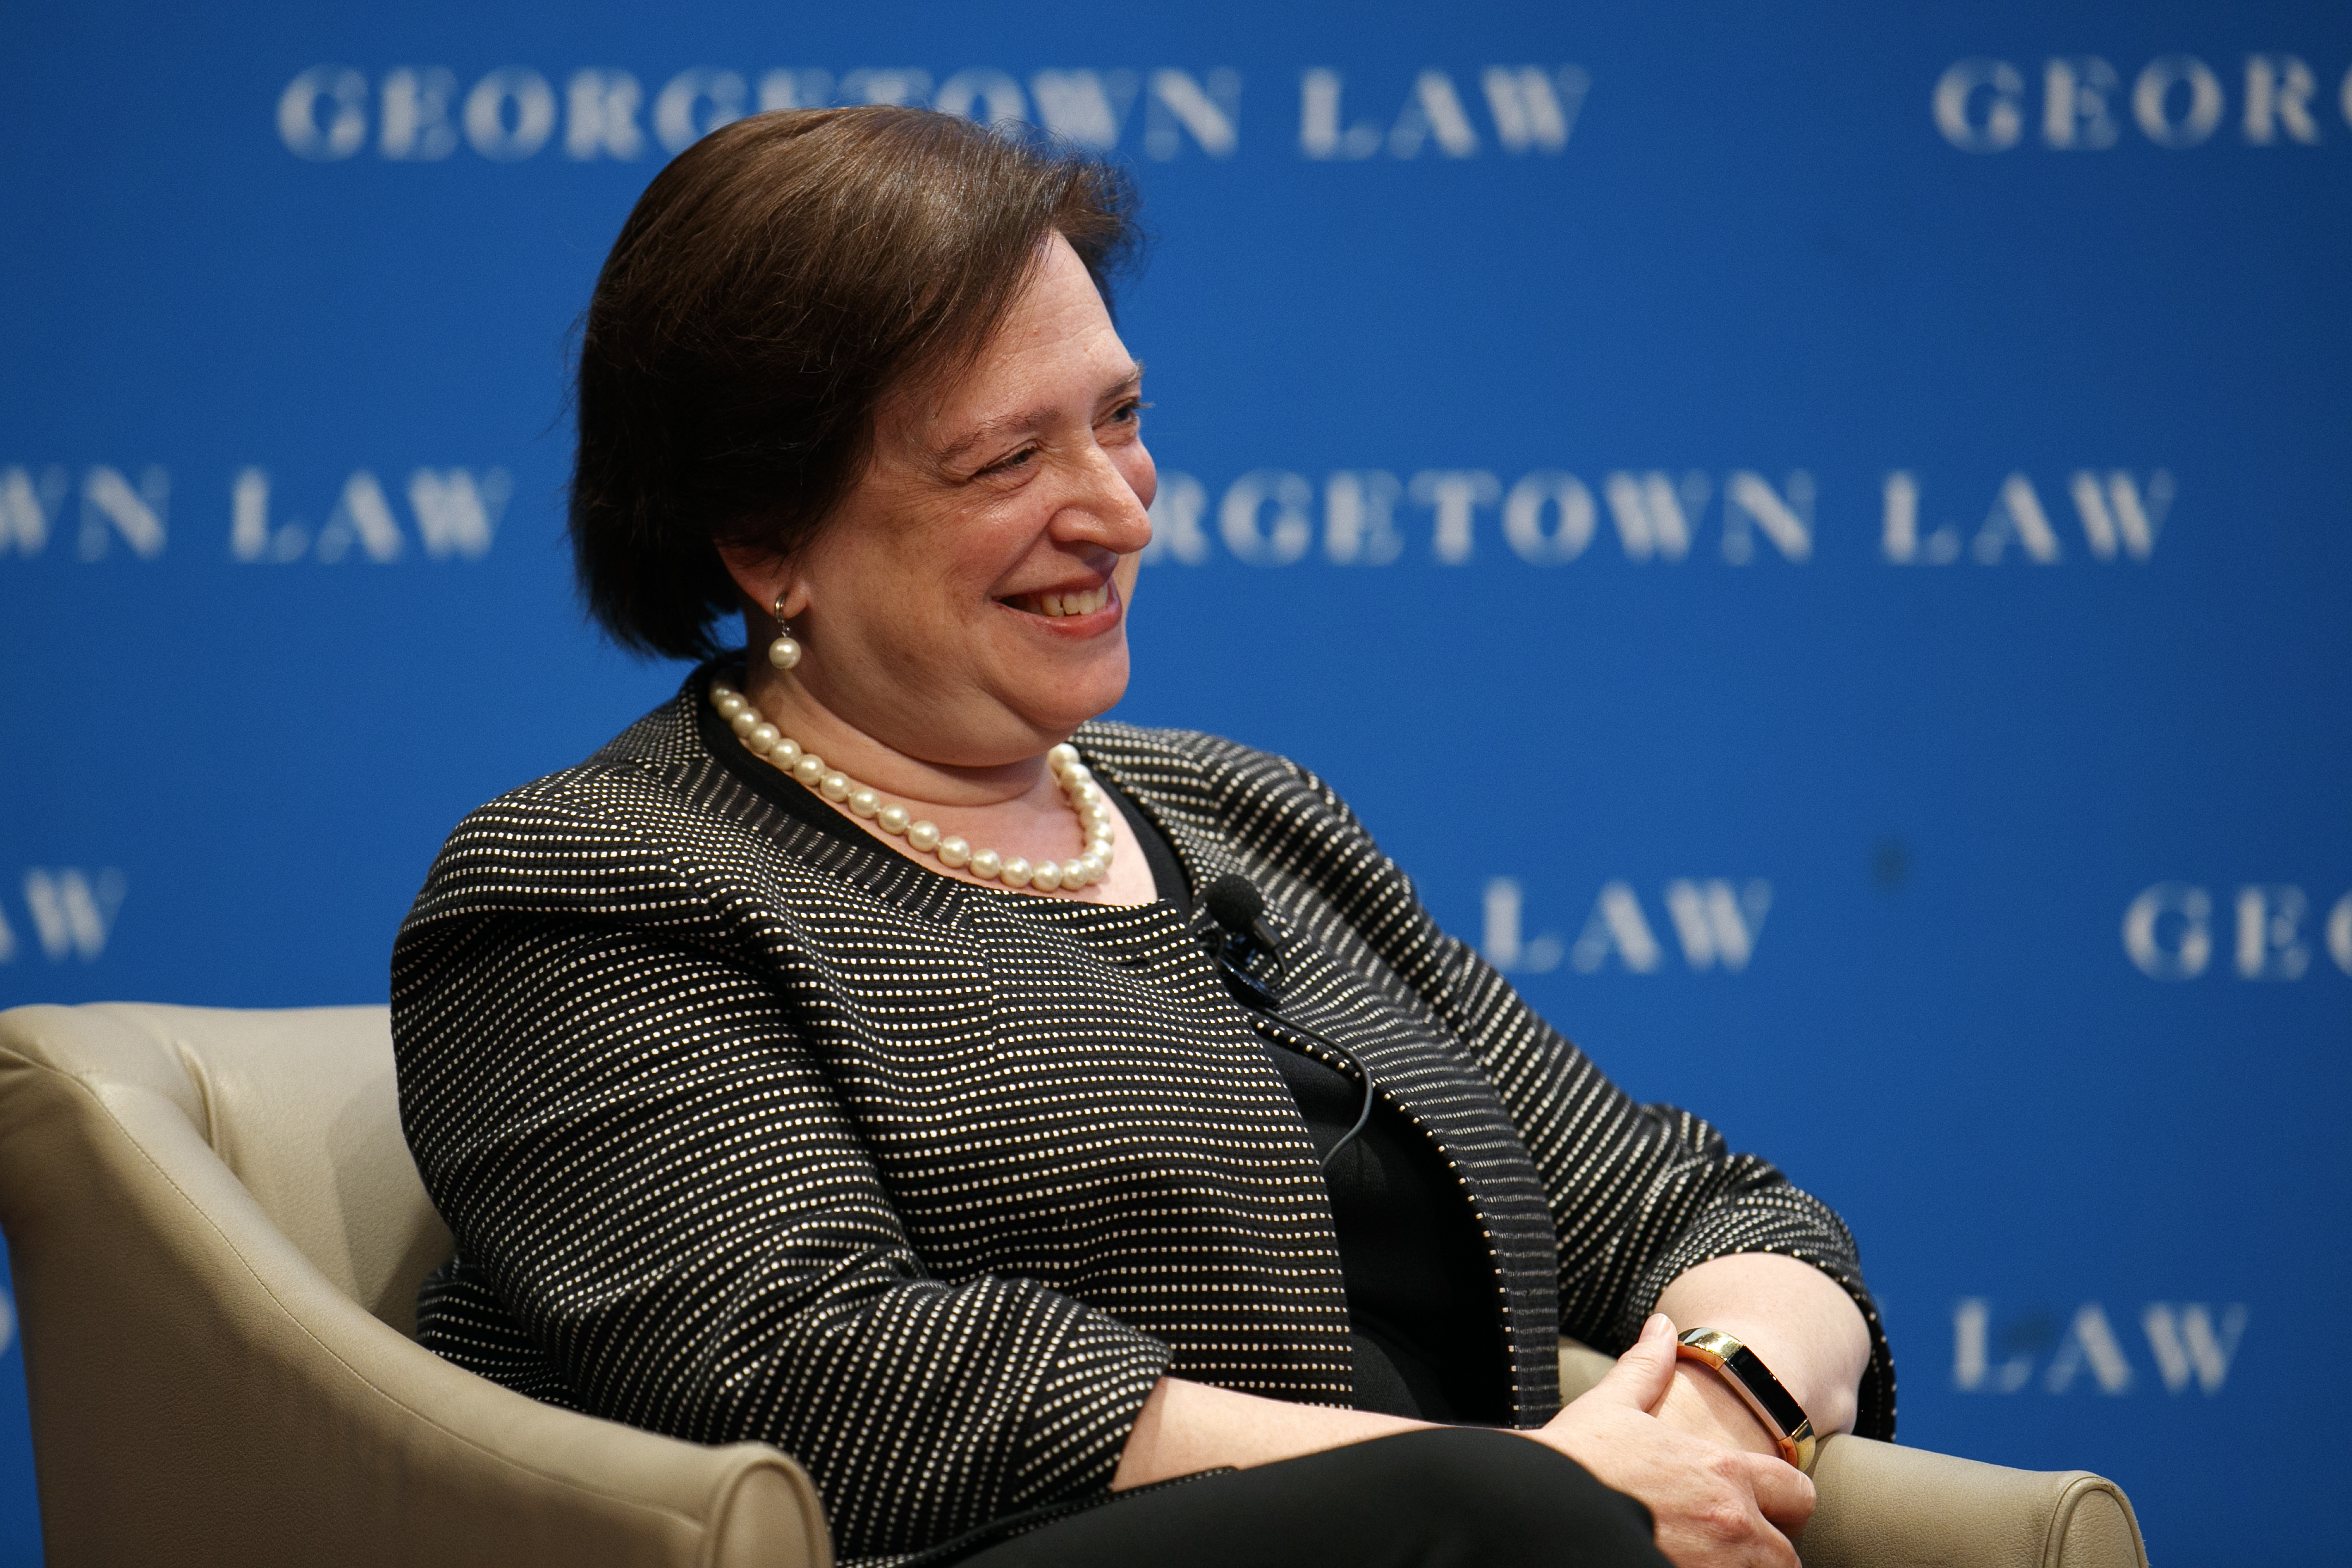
1891	1508
202	1394
1888	1507
1881	1506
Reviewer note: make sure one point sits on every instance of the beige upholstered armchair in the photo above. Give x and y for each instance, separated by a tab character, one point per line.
216	1238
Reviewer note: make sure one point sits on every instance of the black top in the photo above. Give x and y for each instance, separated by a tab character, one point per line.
1420	1312
1421	1302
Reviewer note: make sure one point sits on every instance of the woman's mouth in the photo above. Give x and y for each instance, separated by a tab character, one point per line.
1063	604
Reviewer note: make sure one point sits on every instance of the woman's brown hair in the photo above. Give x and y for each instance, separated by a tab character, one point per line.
771	286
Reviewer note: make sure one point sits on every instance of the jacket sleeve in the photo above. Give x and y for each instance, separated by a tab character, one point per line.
1638	1193
1641	1193
659	1180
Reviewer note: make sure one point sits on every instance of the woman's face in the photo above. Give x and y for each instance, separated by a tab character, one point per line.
967	605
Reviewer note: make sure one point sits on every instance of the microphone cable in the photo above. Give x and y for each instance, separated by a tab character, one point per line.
1239	910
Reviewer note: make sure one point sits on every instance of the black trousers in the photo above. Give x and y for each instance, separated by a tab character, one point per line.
1449	1498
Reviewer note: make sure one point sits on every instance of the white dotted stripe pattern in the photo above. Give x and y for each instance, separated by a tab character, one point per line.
749	1130
1631	1195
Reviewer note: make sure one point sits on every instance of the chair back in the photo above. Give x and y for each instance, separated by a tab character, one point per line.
217	1237
301	1106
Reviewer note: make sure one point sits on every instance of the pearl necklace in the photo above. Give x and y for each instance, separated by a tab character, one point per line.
1086	799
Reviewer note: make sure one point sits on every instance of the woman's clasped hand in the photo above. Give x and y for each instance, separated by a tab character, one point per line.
1715	1507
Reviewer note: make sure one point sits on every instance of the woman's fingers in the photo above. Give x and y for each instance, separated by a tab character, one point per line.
1715	1520
1715	1507
1784	1494
1704	1499
1643	1374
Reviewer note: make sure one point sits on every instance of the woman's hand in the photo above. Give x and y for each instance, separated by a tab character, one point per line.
1715	1506
1699	1403
1798	1319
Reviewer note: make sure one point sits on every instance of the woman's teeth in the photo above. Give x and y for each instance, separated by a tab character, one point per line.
1082	602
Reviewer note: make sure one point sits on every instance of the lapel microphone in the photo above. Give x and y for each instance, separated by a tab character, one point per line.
1249	943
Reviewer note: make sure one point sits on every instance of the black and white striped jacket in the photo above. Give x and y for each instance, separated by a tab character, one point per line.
748	1130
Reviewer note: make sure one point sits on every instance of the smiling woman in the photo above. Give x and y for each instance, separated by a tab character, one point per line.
1016	493
1009	1113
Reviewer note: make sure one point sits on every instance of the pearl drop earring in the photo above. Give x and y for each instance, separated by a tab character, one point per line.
783	653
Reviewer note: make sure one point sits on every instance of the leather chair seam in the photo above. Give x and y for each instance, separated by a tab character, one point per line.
195	1067
2054	1528
815	1534
2079	1484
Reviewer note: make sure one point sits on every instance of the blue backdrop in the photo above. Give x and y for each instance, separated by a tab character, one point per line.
1820	535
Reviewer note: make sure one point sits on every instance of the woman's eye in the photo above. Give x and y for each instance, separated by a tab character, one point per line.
1006	465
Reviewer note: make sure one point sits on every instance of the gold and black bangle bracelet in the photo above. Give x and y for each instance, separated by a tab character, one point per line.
1744	1369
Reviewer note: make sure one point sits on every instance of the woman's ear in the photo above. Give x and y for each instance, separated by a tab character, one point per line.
762	578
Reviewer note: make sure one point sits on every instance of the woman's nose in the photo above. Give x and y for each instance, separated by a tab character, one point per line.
1103	509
